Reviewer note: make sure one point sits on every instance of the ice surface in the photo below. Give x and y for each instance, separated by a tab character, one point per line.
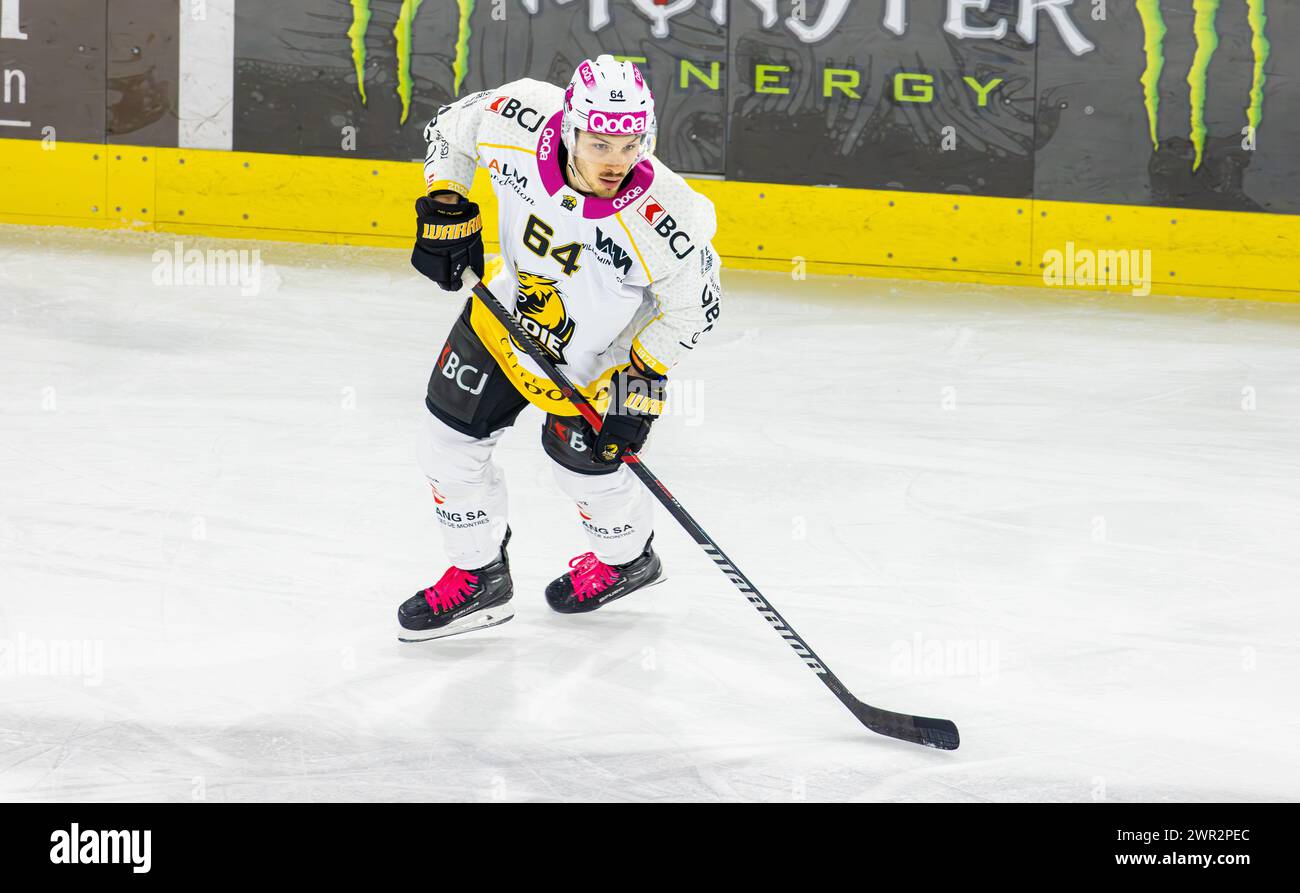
1068	523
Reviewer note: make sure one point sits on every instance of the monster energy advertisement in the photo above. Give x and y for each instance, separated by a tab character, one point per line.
308	70
1184	103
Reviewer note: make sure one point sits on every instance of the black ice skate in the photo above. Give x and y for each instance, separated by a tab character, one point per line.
592	583
459	602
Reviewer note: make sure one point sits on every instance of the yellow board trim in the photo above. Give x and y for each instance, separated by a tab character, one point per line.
858	232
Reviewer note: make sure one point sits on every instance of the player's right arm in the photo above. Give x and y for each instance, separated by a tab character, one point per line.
452	136
449	229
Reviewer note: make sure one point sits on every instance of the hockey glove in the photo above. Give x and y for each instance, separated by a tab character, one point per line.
448	238
635	401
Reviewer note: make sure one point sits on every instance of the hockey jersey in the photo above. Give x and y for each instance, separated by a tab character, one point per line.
590	278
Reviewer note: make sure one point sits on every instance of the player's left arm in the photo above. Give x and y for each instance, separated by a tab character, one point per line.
689	300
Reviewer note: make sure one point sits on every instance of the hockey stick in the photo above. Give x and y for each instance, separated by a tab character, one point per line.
940	733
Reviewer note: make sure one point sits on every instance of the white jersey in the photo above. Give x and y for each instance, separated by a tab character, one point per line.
592	279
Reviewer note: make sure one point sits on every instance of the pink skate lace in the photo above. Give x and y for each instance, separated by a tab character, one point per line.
590	576
455	586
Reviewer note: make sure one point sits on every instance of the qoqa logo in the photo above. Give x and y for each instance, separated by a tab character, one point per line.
628	122
544	148
624	200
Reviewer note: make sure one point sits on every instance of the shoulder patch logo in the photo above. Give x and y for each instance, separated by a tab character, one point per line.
509	107
568	203
653	213
706	260
650	209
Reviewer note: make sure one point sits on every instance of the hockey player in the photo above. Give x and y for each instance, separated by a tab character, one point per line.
606	261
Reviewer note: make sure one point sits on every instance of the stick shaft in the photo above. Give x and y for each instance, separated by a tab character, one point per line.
932	732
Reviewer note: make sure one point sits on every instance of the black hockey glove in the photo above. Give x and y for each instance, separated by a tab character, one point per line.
635	401
448	238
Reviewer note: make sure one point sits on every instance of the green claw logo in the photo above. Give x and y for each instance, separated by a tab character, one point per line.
1153	25
1207	41
403	33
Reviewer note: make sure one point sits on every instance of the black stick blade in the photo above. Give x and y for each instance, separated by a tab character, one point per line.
938	733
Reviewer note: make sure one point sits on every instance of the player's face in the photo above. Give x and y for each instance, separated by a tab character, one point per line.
603	160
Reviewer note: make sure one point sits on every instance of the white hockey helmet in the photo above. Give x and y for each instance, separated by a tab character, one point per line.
605	96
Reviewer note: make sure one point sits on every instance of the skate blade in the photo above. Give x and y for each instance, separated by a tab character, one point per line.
494	616
655	582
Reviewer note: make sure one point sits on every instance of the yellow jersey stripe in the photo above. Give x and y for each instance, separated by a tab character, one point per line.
536	389
504	146
635	250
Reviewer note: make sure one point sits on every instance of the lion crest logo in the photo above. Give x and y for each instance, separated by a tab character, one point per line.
539	305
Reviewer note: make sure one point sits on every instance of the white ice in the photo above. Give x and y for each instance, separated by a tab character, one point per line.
1069	523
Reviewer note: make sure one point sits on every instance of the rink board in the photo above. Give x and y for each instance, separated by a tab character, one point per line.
782	227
